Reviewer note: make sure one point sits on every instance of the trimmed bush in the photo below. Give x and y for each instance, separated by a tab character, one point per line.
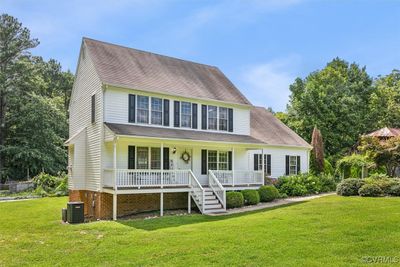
370	190
349	187
234	200
395	190
268	193
328	183
251	197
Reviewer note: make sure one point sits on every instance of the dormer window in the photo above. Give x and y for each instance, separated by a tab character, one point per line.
142	109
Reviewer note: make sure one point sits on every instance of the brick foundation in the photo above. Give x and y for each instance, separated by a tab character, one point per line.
99	205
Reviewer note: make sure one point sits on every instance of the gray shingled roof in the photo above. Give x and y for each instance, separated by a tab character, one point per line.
270	130
131	68
172	133
265	129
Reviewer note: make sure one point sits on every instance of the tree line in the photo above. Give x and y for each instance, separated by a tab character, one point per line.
344	102
34	99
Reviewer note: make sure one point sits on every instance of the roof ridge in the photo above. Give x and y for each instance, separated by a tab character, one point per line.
148	52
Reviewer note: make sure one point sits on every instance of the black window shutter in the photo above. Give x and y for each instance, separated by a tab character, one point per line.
194	116
176	113
204	117
230	120
287	165
298	164
132	108
203	161
229	160
256	162
166	158
93	108
269	164
166	112
131	157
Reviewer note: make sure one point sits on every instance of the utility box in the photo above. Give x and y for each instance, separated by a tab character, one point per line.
64	215
75	212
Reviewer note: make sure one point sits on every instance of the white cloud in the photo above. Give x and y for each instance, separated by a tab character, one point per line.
267	84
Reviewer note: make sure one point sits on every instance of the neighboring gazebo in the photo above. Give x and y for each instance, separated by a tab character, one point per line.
385	133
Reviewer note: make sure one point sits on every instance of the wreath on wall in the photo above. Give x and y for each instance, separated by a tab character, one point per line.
185	157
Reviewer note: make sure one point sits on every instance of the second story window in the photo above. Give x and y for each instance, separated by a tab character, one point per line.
156	111
186	114
93	109
223	119
212	118
142	109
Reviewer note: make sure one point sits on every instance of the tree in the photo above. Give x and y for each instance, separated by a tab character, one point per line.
15	41
384	104
317	153
384	153
334	98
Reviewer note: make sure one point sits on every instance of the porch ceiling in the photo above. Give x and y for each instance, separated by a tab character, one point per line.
180	134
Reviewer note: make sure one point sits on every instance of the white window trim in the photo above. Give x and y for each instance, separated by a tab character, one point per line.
290	165
149	110
181	114
218	118
219	151
148	157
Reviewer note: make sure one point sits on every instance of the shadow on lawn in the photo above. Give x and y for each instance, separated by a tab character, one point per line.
180	220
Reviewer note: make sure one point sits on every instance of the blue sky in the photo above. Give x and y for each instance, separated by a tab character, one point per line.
262	46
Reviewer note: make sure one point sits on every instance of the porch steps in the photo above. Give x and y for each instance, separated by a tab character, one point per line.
211	202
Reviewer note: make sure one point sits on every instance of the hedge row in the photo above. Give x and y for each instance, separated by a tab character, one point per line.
251	197
374	186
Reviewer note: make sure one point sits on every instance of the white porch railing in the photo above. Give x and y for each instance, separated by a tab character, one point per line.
197	193
123	178
217	188
239	177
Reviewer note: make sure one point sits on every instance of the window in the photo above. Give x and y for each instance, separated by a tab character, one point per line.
186	114
292	165
155	158
142	158
212	160
212	118
156	111
93	108
142	109
267	163
223	119
223	161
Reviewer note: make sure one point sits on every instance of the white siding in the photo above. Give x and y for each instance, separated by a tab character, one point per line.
116	110
278	159
86	84
77	162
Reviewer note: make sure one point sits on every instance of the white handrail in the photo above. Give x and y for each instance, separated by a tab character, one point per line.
217	188
197	192
242	177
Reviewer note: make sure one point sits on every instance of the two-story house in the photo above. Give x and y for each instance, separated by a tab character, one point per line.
151	132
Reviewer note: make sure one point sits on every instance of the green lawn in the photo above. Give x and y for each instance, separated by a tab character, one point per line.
334	231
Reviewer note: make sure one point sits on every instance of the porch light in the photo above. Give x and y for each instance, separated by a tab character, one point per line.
174	150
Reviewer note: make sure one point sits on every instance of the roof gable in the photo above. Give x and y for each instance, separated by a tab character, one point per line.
131	68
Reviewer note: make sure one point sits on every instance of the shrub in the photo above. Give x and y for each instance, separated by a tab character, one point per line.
268	193
251	197
49	185
234	200
328	183
349	187
370	190
395	190
378	176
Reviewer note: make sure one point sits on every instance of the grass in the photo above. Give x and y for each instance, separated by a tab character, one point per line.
23	194
331	231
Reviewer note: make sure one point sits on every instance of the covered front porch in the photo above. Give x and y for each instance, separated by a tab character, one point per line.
203	169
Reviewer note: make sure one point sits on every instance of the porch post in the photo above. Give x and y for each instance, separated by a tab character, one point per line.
262	161
162	164
161	204
233	166
115	162
189	203
115	206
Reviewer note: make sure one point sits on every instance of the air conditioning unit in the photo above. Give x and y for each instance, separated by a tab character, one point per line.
75	212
